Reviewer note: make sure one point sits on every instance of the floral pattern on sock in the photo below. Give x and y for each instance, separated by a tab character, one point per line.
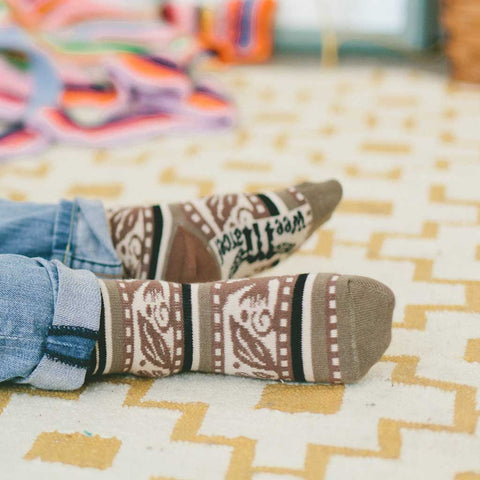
251	335
132	236
155	309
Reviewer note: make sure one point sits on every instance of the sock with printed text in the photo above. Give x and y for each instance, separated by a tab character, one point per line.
221	236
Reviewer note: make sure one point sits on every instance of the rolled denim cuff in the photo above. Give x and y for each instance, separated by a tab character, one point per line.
72	334
82	240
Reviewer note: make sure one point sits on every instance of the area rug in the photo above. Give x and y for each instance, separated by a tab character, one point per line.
406	146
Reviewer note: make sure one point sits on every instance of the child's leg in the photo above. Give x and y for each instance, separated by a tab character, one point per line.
318	328
315	327
219	237
27	228
214	238
49	320
73	232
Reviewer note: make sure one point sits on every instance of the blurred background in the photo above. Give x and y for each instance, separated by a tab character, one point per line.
96	73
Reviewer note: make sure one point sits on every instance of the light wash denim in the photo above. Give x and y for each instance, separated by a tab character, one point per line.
49	313
74	232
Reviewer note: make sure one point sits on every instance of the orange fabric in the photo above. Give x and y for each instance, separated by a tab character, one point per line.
72	98
148	68
205	102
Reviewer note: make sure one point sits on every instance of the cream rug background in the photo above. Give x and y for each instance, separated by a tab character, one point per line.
406	146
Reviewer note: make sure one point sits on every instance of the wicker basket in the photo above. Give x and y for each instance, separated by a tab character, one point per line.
461	19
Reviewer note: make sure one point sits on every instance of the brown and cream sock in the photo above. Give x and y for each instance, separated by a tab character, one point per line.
221	236
310	327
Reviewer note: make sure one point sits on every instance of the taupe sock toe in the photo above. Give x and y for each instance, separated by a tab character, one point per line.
370	307
323	198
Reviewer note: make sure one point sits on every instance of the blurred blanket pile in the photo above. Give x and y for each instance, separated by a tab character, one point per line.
101	73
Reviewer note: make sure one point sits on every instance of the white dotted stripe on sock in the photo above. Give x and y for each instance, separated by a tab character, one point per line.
198	220
218	359
128	340
283	331
148	243
332	331
178	346
297	195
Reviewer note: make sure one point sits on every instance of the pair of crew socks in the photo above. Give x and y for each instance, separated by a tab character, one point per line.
220	236
310	327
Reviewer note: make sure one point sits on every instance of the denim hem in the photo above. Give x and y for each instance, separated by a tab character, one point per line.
72	334
63	231
81	239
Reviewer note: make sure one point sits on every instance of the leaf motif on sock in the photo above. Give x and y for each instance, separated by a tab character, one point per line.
250	312
153	346
220	207
231	210
153	312
128	230
248	348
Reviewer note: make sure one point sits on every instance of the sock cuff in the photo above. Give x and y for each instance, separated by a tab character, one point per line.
145	328
137	235
108	355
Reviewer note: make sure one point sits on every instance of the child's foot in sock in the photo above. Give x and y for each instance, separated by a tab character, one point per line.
315	327
219	237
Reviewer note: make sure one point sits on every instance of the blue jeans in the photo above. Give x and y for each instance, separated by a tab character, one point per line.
50	300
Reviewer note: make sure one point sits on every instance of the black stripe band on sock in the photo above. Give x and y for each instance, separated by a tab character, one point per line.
272	208
102	348
296	328
157	239
93	363
187	327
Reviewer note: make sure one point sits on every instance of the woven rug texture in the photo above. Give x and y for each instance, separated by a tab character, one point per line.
406	146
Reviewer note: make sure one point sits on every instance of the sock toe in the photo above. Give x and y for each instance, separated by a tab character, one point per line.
323	198
371	310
